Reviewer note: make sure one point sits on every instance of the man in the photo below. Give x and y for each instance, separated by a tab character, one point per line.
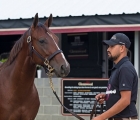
121	94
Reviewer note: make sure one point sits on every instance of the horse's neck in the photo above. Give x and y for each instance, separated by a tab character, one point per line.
23	68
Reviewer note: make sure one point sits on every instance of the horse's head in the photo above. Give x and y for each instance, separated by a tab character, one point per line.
45	47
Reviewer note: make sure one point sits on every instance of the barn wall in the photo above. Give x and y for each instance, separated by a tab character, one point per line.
50	108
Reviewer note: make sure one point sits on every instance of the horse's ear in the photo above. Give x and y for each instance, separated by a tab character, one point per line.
35	22
49	21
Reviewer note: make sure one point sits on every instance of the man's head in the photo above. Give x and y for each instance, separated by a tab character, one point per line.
118	46
118	39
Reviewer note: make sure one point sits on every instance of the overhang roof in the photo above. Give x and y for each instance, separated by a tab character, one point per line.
16	9
70	15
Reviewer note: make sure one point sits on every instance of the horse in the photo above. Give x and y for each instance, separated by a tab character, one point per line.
19	98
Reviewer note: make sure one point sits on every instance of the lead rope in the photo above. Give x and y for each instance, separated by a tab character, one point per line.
49	74
93	112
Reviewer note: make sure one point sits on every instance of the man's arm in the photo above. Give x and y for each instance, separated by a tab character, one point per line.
120	105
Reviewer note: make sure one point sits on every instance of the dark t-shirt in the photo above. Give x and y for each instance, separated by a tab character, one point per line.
123	77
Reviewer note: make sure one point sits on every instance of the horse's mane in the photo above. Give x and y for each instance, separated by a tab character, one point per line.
14	52
16	48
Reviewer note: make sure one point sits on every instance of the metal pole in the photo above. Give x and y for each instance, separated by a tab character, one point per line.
137	66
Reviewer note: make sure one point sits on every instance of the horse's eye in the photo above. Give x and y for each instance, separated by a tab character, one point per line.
41	41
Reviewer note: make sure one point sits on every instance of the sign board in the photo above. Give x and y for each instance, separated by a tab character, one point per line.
78	45
78	95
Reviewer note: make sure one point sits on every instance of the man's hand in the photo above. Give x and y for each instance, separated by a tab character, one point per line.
100	96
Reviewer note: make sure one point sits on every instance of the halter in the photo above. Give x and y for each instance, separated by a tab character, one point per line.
47	66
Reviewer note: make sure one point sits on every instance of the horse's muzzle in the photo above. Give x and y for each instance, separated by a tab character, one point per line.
64	70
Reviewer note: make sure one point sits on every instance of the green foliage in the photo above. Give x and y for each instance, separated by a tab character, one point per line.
3	60
4	57
38	67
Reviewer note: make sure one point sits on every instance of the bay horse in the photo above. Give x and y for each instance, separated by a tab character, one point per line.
19	98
